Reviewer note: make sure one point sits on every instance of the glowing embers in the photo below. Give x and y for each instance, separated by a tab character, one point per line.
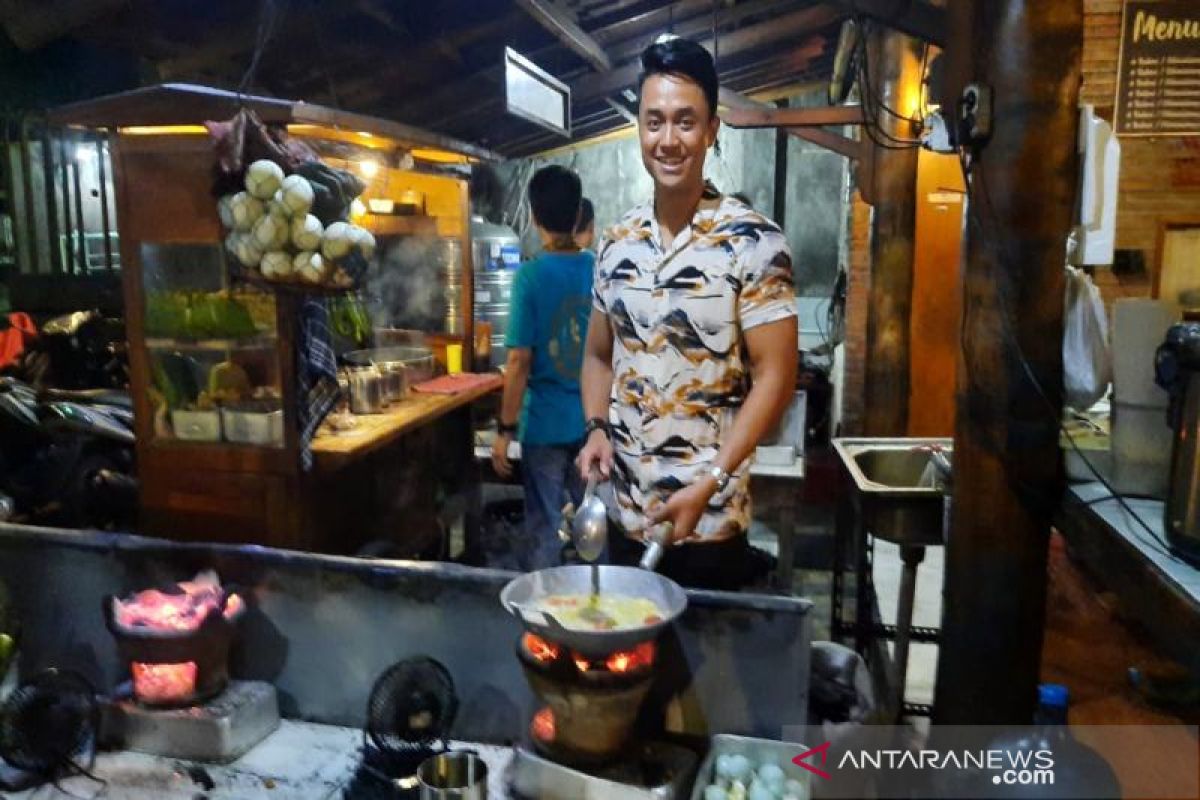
544	652
159	684
176	639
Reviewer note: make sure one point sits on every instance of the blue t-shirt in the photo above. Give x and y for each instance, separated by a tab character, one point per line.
548	313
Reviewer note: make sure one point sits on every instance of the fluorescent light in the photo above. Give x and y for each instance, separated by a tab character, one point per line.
380	205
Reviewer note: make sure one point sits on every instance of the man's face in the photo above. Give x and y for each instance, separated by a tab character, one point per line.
676	129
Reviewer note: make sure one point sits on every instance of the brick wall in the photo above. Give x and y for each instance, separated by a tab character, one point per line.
857	308
1160	177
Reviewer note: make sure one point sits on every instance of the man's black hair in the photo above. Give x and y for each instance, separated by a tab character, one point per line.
685	58
587	215
554	195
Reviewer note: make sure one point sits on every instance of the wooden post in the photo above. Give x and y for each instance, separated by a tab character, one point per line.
894	78
1007	465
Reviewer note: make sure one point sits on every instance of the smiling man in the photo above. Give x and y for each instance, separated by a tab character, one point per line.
691	351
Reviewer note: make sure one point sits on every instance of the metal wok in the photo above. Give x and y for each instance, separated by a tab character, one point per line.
522	595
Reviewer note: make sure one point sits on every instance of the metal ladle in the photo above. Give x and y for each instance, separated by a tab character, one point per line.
589	528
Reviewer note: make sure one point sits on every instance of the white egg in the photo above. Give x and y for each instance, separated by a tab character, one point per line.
276	264
225	211
309	267
263	179
337	241
306	232
793	786
363	240
297	194
246	210
231	242
272	231
760	791
277	207
724	768
740	768
715	793
771	774
248	252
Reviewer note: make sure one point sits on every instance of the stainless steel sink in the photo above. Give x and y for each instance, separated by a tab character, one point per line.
896	487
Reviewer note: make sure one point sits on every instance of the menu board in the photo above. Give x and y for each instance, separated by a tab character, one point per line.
1158	71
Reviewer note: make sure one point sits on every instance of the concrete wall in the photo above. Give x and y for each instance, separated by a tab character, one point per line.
815	202
322	628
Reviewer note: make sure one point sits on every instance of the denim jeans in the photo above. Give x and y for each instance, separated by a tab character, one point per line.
551	481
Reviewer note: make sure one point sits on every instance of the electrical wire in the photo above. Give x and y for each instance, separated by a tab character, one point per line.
981	199
267	19
323	57
872	105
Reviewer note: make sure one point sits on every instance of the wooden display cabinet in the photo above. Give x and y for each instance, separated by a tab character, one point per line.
234	474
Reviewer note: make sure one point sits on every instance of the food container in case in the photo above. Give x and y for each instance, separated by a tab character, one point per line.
758	751
253	423
196	426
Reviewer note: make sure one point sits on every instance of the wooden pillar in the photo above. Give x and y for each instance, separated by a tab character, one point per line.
895	79
1007	465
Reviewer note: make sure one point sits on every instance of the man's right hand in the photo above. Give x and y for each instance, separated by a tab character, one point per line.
597	453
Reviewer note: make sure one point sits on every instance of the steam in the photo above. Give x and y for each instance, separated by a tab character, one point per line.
407	286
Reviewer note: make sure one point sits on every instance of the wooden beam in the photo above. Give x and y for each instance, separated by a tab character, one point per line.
735	102
768	117
783	28
465	91
1007	464
554	19
619	107
915	17
895	67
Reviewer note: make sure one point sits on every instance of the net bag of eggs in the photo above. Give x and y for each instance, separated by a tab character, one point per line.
294	228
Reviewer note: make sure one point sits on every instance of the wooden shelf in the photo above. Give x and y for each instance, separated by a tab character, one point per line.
253	343
394	225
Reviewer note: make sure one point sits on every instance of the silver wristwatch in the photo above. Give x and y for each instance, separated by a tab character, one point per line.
720	476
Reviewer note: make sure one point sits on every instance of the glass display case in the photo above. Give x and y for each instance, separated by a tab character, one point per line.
211	348
214	356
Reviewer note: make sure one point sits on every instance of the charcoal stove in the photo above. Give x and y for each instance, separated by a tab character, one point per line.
581	739
179	701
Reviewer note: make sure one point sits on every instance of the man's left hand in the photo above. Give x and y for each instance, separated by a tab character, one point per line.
500	461
684	509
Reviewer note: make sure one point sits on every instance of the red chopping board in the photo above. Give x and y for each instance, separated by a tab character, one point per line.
454	384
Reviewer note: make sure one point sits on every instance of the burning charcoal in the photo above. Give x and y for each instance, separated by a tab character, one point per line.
181	610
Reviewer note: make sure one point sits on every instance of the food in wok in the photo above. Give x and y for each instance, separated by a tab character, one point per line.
600	612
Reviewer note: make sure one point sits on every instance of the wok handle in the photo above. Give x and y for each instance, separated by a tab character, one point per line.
658	538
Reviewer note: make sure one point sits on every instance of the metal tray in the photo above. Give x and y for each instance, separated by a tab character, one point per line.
757	750
537	778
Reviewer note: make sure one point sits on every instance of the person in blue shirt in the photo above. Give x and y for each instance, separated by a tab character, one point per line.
548	318
585	227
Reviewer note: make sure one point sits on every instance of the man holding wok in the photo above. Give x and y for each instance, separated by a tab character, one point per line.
691	349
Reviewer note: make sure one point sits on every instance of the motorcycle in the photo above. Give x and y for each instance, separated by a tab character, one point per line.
67	456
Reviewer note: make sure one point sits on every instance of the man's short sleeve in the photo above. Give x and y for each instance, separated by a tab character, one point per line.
521	324
768	289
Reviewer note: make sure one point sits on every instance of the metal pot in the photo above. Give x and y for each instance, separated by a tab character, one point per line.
417	362
459	775
366	390
522	594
